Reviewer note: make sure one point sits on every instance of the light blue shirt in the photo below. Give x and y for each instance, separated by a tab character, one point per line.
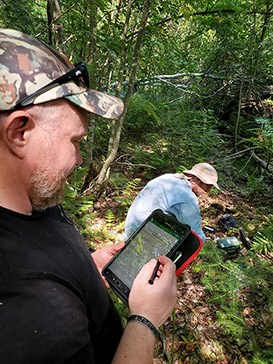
170	194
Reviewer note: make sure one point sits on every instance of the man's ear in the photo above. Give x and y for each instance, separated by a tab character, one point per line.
15	129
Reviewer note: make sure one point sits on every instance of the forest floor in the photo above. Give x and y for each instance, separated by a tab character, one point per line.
195	314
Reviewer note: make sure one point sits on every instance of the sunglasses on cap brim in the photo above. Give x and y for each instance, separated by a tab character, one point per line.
79	75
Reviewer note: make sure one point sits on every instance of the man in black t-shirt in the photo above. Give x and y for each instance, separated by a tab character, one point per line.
54	305
49	309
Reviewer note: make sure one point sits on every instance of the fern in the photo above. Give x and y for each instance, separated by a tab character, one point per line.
265	360
126	197
109	217
237	284
263	241
79	208
130	187
233	324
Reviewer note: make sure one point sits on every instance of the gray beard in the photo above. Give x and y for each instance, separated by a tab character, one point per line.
46	191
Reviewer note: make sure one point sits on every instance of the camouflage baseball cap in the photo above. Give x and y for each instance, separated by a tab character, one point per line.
27	65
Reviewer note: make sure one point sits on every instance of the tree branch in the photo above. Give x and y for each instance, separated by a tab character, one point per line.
203	13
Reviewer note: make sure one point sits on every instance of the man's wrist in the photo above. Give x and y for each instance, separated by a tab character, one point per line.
144	321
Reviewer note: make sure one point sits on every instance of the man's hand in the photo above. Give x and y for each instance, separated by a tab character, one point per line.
154	301
104	255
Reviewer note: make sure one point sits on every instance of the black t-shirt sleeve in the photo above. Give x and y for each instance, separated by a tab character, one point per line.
50	323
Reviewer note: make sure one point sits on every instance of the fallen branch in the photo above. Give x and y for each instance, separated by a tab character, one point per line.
265	165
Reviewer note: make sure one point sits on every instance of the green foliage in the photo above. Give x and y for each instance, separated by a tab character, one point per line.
222	290
234	286
124	189
142	115
79	207
127	195
24	15
124	196
188	137
262	138
263	240
255	185
222	49
258	360
109	217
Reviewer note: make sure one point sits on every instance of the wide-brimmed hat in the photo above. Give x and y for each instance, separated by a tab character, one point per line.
205	172
27	65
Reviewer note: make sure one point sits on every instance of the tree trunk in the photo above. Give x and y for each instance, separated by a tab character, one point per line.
55	32
90	52
92	8
117	124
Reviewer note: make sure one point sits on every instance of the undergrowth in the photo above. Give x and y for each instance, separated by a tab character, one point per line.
241	289
263	240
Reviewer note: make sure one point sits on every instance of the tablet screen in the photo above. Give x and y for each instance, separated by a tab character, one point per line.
156	237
